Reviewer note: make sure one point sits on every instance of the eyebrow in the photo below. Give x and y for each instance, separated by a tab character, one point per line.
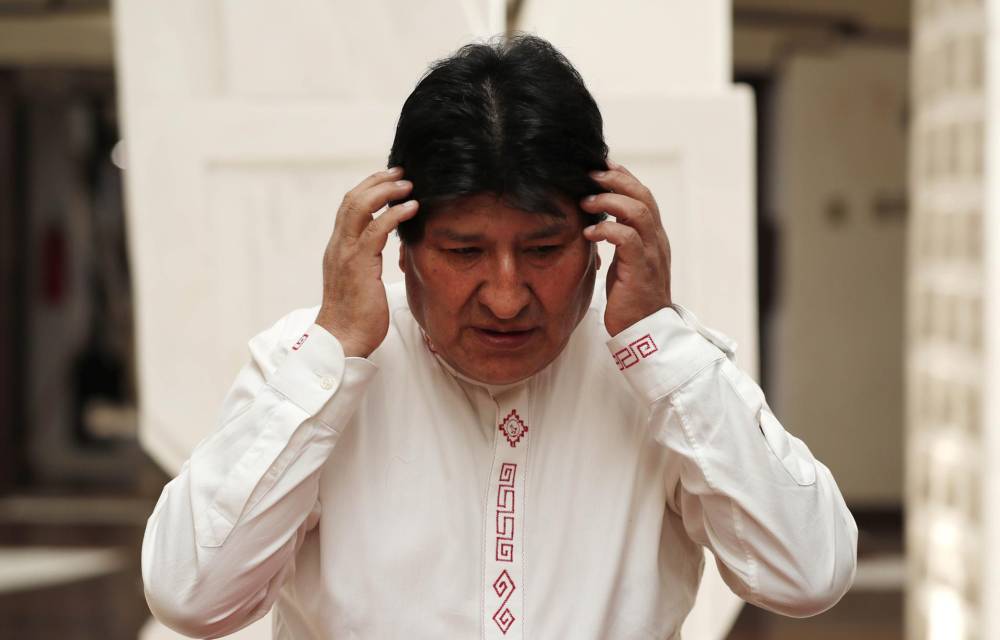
455	236
548	231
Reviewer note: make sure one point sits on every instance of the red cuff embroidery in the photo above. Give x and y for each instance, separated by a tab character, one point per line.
637	350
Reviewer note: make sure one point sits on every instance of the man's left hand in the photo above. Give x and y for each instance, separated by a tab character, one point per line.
638	282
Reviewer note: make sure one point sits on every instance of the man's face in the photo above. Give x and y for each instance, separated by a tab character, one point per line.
499	291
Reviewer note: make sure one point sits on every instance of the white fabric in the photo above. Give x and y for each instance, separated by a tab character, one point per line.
387	497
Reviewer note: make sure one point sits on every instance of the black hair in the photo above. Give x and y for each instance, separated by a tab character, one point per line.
510	117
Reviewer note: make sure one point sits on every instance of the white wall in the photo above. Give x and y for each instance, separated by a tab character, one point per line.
639	47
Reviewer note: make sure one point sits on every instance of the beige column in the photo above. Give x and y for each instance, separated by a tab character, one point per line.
952	326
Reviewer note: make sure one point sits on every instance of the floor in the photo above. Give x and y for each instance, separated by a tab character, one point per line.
69	569
74	579
859	616
871	610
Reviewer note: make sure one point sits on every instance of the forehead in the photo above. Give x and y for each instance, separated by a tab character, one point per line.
488	215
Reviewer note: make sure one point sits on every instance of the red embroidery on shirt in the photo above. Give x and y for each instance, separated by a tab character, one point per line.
301	342
505	513
624	358
644	346
513	428
637	350
503	586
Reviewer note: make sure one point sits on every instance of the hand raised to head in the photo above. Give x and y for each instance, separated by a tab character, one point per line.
354	308
638	282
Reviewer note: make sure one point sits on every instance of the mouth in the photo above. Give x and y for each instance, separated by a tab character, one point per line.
504	338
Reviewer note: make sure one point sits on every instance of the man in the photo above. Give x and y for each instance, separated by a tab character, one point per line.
493	451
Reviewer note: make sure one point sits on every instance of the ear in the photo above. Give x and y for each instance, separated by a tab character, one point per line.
402	257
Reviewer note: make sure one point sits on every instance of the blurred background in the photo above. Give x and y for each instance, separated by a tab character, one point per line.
169	172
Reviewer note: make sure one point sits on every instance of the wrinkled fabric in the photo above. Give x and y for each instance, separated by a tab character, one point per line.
390	497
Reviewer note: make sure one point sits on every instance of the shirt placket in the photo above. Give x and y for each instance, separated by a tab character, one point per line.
503	587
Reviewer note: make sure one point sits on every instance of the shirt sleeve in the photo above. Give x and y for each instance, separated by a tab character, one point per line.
223	536
747	489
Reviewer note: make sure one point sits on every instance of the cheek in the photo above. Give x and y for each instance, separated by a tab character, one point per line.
443	290
568	286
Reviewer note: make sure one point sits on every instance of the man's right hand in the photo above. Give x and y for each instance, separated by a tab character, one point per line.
354	308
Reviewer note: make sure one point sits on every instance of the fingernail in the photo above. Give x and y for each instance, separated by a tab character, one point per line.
590	228
393	170
598	174
402	183
409	204
590	198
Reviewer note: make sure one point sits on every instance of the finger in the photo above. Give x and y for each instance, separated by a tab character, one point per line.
393	173
358	208
617	166
626	210
627	242
620	180
376	234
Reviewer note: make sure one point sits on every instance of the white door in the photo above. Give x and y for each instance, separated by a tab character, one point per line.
840	159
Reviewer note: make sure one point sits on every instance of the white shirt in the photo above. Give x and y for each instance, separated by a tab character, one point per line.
390	497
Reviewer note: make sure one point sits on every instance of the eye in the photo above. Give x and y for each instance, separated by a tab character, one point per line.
464	251
544	250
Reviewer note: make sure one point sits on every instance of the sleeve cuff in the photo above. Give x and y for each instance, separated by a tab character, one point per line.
314	368
662	351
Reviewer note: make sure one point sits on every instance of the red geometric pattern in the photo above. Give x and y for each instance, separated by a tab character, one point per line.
637	350
513	428
503	586
505	513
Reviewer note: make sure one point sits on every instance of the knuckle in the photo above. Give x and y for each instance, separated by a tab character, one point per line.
347	202
372	230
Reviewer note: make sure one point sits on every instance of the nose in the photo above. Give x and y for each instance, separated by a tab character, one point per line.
504	292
